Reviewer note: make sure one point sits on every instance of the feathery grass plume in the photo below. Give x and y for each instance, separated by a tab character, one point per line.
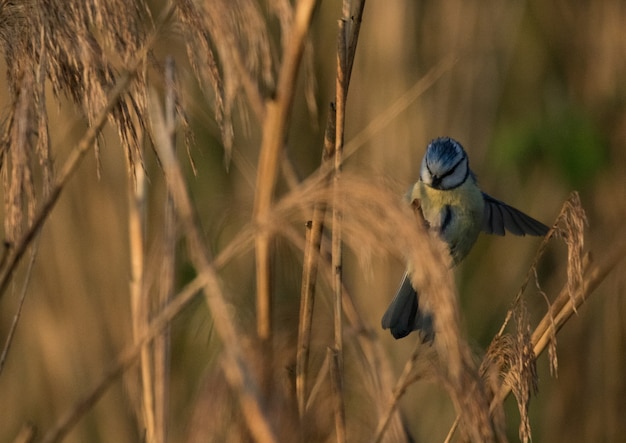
571	223
17	159
511	359
57	41
229	57
569	226
24	135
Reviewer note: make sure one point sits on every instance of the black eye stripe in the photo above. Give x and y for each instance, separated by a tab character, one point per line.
428	168
451	170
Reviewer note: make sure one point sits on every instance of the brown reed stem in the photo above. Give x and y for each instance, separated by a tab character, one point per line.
274	133
336	359
314	231
398	391
313	240
336	383
340	97
161	357
139	297
18	312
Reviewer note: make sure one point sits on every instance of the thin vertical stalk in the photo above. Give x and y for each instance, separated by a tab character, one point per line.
337	207
274	133
18	313
166	280
336	213
307	302
337	392
399	390
139	299
337	253
314	230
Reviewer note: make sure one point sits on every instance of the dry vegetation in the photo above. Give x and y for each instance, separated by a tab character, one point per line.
194	251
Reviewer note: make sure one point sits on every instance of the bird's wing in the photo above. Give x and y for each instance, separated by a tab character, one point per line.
499	216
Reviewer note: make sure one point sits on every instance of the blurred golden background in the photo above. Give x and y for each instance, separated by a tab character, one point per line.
533	90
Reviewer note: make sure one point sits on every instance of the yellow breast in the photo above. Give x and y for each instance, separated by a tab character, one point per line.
456	214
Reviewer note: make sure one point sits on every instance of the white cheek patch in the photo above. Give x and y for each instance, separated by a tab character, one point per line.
426	177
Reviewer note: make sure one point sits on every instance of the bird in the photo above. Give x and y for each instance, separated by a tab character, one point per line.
454	207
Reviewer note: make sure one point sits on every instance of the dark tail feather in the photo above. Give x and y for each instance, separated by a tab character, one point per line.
403	315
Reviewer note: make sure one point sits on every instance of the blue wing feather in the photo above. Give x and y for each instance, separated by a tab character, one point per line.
498	217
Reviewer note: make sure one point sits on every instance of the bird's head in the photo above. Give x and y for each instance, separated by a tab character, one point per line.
445	165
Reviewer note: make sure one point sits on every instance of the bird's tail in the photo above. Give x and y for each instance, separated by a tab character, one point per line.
403	315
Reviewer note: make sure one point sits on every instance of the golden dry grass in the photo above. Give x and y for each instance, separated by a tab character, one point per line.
154	151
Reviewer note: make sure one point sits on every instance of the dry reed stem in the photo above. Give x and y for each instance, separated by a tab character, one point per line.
320	380
274	133
154	359
399	389
139	296
236	367
565	305
16	317
166	280
336	355
129	354
336	383
314	229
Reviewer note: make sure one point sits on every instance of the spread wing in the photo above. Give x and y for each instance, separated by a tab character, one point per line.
499	216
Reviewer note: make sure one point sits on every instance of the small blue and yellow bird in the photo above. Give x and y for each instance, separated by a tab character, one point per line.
453	206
